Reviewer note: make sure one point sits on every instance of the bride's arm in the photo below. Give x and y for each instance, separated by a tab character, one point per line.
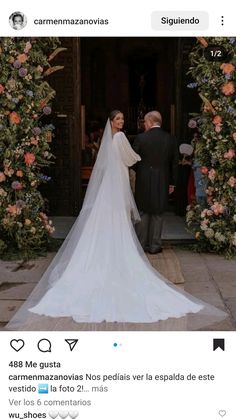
127	154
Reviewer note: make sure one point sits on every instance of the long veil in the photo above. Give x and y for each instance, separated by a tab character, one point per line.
120	195
98	239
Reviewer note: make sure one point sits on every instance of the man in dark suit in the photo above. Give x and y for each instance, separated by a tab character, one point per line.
156	175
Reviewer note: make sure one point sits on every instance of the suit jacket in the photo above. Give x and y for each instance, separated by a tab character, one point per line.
156	170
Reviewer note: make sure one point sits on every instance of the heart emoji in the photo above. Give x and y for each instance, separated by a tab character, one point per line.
222	413
73	414
63	414
17	344
53	414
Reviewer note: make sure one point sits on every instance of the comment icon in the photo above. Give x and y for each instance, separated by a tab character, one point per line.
44	345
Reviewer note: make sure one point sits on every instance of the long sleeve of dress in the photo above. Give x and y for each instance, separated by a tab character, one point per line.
123	147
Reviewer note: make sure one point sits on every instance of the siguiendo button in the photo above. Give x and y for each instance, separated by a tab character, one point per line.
169	20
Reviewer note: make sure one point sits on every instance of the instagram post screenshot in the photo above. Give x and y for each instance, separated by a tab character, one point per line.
118	210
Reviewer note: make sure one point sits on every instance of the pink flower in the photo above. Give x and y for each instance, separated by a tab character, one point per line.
28	46
192	123
203	213
16	185
217	208
212	174
217	120
218	128
204	170
2	177
232	181
229	154
43	216
209	190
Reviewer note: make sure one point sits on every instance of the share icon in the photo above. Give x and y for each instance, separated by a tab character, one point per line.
72	343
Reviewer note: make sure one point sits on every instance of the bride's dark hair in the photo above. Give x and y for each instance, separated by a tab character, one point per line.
113	114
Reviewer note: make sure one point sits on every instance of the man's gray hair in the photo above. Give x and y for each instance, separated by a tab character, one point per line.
155	117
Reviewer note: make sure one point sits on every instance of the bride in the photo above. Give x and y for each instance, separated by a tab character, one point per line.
101	272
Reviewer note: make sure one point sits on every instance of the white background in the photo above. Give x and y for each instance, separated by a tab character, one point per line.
126	18
136	353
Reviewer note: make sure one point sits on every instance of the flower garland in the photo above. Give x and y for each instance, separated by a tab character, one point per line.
214	221
25	98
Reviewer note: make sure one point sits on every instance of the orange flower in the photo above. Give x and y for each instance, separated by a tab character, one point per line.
29	159
34	141
227	68
2	88
12	209
2	177
217	120
27	222
22	58
19	173
14	118
228	88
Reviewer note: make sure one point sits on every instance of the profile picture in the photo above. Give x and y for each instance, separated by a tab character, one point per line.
17	20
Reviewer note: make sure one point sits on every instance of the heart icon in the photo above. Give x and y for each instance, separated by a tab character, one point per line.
53	414
17	344
222	413
73	415
63	415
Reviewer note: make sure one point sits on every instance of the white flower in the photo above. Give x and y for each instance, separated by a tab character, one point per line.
203	226
220	237
209	233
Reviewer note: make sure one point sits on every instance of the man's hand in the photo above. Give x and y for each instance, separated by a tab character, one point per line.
171	189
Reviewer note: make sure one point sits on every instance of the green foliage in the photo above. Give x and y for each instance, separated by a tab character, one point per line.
214	223
25	98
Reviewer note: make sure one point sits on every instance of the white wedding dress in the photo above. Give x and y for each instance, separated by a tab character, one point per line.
101	272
